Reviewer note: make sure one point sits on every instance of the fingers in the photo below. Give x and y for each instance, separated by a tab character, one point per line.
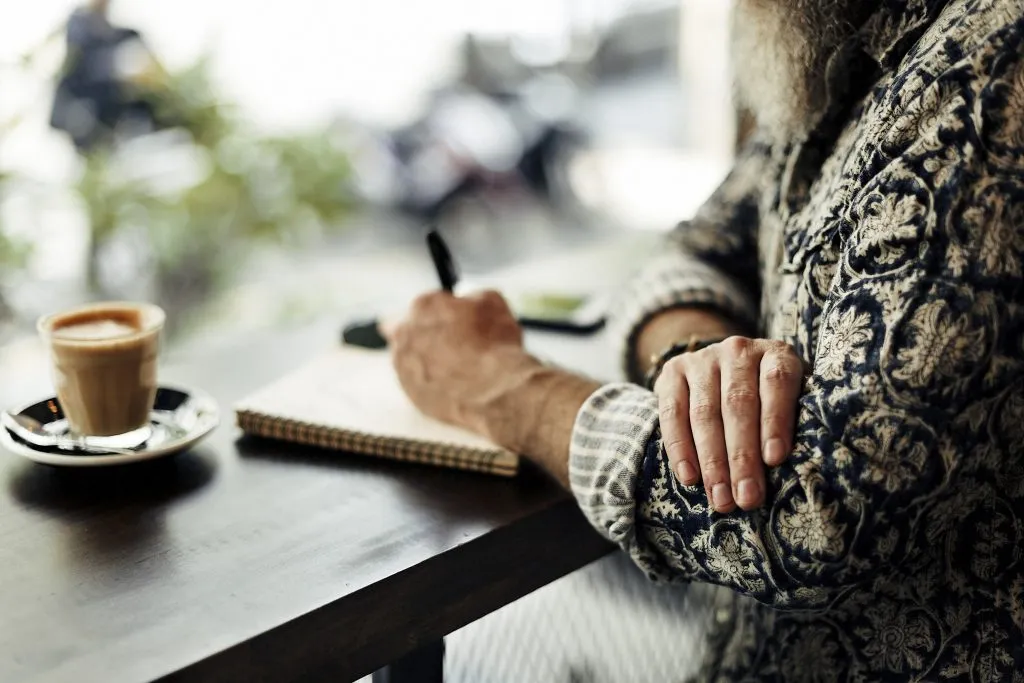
432	302
488	296
729	410
673	408
741	413
689	406
388	329
780	382
705	414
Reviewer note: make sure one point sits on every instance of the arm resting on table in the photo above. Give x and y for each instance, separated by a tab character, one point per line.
918	354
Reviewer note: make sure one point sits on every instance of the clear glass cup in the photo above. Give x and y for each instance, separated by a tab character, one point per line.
104	359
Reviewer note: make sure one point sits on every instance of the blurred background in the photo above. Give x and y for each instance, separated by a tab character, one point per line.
248	168
259	166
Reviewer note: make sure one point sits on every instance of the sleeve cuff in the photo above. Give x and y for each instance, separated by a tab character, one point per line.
674	280
609	442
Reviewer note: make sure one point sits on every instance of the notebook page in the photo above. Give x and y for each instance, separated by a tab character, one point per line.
352	389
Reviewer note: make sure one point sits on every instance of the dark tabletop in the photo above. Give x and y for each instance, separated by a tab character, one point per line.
244	560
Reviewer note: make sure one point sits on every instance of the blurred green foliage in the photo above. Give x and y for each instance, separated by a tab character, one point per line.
14	251
13	254
247	188
252	188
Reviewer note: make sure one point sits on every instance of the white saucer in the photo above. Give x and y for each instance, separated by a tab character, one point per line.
180	419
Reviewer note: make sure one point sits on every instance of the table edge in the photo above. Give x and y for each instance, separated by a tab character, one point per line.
347	638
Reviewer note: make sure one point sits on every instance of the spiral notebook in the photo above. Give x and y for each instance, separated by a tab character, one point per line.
349	400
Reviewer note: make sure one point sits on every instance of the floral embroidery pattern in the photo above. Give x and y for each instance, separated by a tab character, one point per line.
892	544
846	342
899	639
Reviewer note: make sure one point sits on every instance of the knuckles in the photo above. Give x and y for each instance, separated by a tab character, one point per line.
714	469
703	413
426	303
492	297
741	400
670	408
736	346
779	348
779	373
781	352
743	457
674	367
782	369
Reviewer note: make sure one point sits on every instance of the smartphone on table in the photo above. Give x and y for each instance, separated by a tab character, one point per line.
578	314
567	313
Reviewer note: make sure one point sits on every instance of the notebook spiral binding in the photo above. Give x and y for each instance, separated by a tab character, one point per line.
427	453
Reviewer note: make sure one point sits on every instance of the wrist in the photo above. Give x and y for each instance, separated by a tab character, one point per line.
550	401
677	325
534	408
510	371
657	362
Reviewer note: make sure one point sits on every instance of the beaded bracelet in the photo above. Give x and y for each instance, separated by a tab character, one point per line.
658	361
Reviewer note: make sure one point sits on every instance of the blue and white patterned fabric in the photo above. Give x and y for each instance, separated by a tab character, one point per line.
888	249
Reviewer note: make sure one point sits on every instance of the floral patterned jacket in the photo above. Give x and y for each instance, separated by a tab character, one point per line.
888	249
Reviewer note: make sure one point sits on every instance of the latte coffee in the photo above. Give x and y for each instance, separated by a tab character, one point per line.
104	365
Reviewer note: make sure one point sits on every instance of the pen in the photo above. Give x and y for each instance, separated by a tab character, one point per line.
442	260
367	333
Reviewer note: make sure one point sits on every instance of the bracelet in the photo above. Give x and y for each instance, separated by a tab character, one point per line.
658	361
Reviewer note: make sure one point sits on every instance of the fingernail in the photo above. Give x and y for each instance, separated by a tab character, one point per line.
721	496
686	473
774	451
747	492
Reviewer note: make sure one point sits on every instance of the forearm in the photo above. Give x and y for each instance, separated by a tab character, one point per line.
535	413
534	407
819	533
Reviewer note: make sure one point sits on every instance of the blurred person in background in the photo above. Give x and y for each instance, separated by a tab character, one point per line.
845	310
103	86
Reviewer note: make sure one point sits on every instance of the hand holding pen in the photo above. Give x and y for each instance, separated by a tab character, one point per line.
369	334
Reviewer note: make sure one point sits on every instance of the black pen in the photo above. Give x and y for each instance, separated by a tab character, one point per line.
442	260
366	333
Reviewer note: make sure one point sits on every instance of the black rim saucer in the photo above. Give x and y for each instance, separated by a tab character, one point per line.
178	418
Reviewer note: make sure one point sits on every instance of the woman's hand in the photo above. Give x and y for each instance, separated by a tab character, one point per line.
726	412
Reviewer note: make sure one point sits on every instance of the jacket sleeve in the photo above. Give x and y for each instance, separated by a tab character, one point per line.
917	379
708	262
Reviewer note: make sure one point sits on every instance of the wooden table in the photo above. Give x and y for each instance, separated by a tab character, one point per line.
249	561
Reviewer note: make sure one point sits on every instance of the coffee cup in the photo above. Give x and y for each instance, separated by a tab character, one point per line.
104	359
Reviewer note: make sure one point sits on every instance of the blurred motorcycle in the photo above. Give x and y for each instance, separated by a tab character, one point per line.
472	151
